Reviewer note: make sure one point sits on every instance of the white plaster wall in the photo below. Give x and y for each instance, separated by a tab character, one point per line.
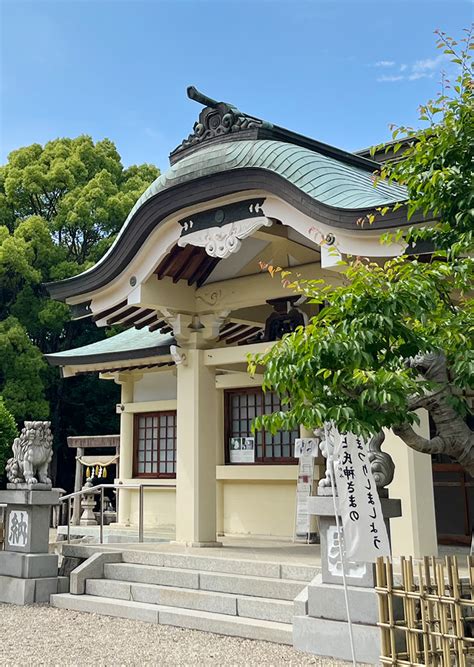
155	387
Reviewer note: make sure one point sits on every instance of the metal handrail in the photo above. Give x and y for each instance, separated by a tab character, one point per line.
100	489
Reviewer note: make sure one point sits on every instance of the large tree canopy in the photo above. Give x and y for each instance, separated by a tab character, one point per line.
80	189
398	336
61	206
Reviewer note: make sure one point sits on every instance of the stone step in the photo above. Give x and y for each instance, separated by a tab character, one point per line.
237	626
251	568
223	624
277	589
221	603
265	609
147	574
280	589
323	637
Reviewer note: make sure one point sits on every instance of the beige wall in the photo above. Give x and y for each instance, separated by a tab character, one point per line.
236	502
271	489
155	387
275	502
159	509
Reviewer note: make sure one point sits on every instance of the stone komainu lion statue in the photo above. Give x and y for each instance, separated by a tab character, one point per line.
32	453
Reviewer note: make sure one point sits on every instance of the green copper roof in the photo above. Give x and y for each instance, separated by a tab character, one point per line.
140	342
331	181
323	178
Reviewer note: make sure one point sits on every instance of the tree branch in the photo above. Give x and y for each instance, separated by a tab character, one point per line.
418	442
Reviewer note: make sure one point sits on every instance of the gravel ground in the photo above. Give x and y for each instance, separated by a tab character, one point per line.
43	635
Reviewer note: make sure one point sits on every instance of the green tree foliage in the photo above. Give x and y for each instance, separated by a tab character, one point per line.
21	372
80	189
8	433
61	206
397	337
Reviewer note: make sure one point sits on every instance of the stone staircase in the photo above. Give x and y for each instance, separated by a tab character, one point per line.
244	598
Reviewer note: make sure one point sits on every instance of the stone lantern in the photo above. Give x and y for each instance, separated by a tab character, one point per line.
88	506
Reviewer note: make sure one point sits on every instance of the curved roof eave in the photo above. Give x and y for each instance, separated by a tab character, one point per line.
130	344
320	187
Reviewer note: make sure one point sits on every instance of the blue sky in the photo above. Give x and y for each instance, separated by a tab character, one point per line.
339	71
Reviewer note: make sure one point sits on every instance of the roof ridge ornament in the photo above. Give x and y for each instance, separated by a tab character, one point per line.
216	121
196	95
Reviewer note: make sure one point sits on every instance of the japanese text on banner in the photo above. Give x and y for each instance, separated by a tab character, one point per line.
365	533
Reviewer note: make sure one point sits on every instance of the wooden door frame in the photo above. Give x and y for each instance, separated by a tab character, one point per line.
465	482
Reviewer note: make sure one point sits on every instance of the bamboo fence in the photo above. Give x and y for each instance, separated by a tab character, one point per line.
433	625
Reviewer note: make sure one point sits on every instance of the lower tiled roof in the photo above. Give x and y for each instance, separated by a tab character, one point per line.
131	344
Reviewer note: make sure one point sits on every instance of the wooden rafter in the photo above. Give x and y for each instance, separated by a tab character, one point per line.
189	263
244	335
236	328
194	267
145	323
162	268
137	317
157	325
185	257
109	311
207	268
120	317
226	327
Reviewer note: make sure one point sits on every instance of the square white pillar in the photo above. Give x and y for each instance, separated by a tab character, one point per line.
126	453
198	434
414	533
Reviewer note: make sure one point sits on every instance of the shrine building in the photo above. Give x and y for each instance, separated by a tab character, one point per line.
184	278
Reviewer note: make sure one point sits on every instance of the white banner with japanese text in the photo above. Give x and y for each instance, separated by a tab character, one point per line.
365	533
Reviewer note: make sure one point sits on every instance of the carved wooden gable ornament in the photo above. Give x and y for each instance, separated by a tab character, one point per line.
220	231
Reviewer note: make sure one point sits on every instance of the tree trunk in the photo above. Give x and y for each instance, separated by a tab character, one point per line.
453	435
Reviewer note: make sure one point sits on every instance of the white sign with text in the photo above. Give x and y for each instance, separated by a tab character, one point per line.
242	450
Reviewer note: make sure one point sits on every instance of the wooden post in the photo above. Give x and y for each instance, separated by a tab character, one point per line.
76	512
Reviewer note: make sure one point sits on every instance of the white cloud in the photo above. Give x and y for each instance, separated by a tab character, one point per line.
429	64
420	75
420	69
390	77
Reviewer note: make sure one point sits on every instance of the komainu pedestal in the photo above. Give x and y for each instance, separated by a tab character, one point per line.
28	573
